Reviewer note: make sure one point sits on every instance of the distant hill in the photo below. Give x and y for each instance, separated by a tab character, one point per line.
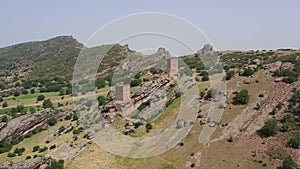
54	57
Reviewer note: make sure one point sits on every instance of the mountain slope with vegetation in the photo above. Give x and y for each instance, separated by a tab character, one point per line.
55	57
38	118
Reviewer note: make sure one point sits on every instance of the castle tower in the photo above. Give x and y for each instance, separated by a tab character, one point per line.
172	66
123	93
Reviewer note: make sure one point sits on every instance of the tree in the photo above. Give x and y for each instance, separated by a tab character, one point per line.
1	99
211	93
11	154
56	165
248	72
32	110
289	163
35	148
100	83
61	92
241	97
17	94
20	108
69	90
52	147
135	82
40	97
205	78
47	104
52	121
24	92
19	151
32	91
4	119
148	127
101	100
75	116
202	94
229	74
269	129
5	104
43	149
27	85
18	84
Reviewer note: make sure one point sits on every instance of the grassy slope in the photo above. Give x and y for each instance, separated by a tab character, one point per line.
56	57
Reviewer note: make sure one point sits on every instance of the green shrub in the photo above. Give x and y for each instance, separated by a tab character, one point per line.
248	72
47	104
35	148
5	104
68	117
56	165
229	74
290	80
148	127
294	142
11	155
52	121
43	149
286	127
241	97
100	83
205	78
19	151
143	105
52	147
25	92
269	129
40	97
4	119
135	82
101	100
289	163
211	93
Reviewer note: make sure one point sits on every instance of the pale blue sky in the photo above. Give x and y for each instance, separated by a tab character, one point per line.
230	24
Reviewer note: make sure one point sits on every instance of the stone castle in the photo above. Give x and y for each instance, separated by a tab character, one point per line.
125	103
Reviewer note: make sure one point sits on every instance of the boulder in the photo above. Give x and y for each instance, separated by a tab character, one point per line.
247	81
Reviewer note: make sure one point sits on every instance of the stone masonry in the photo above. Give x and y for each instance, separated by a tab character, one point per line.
172	66
123	93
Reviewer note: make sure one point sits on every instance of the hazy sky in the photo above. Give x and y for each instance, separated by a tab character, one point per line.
255	24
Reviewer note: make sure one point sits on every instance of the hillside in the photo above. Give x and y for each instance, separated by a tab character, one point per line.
52	58
44	121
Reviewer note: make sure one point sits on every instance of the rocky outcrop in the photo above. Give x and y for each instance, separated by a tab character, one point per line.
35	163
272	67
10	92
27	123
207	49
161	53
